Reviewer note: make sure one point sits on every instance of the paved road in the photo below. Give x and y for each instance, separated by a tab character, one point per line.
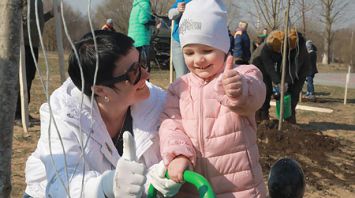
334	79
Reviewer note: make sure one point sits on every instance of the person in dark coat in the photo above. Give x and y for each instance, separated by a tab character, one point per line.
268	59
35	41
231	38
312	51
241	51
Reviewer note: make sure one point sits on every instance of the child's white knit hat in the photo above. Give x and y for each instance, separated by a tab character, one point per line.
205	22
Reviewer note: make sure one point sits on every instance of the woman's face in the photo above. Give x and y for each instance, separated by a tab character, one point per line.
135	89
203	60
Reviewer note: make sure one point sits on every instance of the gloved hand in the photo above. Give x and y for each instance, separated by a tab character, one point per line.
156	176
285	87
276	90
130	175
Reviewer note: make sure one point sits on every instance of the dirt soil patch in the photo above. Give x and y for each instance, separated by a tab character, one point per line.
326	161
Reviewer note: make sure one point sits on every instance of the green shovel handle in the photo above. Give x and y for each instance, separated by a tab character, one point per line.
203	186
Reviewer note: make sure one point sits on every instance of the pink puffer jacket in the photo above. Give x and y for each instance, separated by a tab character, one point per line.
217	135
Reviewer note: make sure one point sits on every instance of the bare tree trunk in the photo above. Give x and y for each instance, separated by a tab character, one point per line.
303	10
327	32
9	62
270	12
274	14
304	6
332	11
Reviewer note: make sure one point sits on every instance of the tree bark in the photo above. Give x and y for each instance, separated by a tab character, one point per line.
327	30
9	61
304	17
332	11
270	12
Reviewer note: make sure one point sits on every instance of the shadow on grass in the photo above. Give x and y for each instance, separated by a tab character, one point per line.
322	93
333	100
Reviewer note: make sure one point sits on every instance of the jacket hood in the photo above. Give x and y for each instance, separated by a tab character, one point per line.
136	2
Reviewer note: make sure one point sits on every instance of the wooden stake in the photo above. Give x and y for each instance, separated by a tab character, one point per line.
23	85
58	34
284	68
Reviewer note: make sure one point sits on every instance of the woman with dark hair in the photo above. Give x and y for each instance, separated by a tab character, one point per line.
83	150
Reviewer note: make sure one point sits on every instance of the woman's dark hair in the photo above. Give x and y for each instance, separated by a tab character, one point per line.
111	46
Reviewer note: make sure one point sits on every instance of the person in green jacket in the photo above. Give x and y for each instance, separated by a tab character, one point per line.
140	20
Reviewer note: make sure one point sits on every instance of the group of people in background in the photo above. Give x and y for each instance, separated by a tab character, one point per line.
128	132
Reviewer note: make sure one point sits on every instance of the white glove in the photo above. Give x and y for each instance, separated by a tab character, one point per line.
156	176
285	87
130	175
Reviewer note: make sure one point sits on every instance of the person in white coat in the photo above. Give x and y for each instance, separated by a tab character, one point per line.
81	143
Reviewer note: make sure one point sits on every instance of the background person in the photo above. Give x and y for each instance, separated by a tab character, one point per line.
175	13
241	50
209	116
29	61
92	138
268	59
140	21
260	39
312	51
108	25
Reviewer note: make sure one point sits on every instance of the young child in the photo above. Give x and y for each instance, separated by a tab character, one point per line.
209	117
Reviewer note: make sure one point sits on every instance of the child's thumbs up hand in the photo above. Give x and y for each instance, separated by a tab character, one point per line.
232	81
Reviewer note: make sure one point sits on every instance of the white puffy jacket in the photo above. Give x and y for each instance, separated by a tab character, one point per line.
87	152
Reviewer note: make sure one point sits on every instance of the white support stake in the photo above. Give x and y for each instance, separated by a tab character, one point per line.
308	108
23	85
347	84
349	69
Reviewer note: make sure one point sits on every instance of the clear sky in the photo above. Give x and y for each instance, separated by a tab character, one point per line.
82	5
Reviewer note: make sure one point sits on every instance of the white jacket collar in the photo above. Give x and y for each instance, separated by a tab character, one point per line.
145	116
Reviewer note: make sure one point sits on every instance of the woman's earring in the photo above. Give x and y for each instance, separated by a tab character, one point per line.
106	99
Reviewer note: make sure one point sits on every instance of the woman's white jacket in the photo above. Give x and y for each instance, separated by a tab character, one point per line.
75	148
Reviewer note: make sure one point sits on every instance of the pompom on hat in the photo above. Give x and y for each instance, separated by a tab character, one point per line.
205	22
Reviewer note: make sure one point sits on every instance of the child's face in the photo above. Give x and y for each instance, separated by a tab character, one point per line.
203	60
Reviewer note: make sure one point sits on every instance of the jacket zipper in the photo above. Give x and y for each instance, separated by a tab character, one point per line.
200	138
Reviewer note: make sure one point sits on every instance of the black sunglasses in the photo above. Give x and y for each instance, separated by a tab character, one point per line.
133	75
